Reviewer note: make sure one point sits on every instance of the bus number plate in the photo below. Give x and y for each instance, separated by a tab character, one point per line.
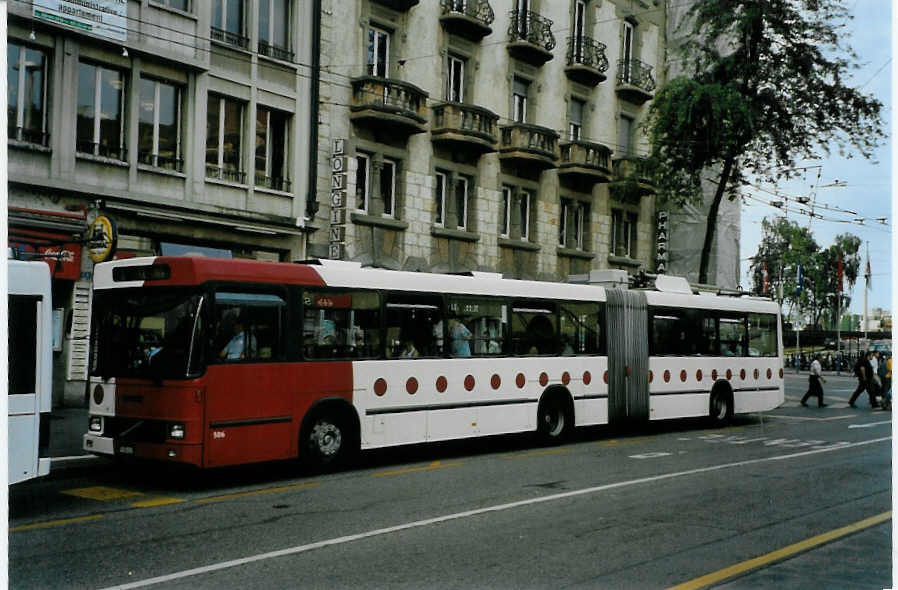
125	450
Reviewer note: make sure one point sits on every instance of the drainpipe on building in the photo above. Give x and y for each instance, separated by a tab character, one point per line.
312	197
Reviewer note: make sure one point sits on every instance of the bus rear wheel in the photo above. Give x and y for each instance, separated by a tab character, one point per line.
721	412
327	442
554	420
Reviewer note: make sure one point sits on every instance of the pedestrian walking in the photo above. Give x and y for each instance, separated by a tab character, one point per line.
815	378
864	372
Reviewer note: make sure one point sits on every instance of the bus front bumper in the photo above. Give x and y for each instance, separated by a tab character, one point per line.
101	445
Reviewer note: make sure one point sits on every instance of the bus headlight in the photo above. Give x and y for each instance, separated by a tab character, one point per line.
176	431
96	424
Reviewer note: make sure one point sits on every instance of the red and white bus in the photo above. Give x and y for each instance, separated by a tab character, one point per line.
217	362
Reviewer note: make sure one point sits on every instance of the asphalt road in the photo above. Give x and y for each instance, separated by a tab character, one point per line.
796	498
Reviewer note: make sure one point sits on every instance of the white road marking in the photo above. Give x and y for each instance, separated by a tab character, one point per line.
650	455
468	514
808	418
870	425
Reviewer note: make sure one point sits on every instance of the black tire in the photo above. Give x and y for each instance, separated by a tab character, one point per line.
328	441
554	420
721	408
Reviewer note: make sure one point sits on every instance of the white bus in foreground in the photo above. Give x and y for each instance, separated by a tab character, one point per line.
30	369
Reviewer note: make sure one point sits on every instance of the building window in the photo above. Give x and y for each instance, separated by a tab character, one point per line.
378	52
627	34
625	135
362	181
575	119
519	100
388	187
524	205
579	29
623	233
159	125
227	22
182	5
223	134
271	149
461	203
100	124
274	27
572	225
455	90
440	198
505	212
26	75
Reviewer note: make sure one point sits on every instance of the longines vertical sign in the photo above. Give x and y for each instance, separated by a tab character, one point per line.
104	18
338	201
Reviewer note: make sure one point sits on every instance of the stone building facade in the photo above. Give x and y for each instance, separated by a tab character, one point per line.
187	122
495	135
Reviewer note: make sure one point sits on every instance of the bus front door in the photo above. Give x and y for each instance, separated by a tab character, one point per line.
628	357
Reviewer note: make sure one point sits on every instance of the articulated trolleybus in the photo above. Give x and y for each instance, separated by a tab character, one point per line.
30	384
215	362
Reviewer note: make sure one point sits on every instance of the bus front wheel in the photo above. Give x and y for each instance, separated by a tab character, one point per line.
327	442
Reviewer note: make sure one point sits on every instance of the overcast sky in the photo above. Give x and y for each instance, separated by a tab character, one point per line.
867	184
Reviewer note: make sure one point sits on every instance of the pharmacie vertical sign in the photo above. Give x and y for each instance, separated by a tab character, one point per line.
104	18
337	238
662	248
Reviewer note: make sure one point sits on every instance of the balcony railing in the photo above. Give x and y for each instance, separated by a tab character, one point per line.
388	101
230	38
269	50
273	183
225	174
28	135
157	161
586	60
636	75
102	150
522	141
469	18
586	158
529	28
465	123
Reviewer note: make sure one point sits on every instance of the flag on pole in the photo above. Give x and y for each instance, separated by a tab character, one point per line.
798	280
868	274
765	278
839	272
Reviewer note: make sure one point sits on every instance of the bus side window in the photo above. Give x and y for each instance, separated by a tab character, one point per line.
340	325
581	329
533	328
732	336
249	327
669	332
476	326
23	330
412	322
762	334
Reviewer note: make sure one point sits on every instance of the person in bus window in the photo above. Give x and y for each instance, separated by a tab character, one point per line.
461	338
240	344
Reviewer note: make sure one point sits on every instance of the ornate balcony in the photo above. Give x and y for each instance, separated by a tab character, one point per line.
229	37
386	104
400	5
469	18
530	37
634	81
585	160
632	179
586	61
464	126
529	145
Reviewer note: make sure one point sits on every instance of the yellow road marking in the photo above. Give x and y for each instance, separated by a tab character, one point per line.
52	523
781	554
620	443
256	492
431	467
101	493
538	453
156	502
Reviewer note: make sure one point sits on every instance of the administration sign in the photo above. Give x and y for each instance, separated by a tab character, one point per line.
104	18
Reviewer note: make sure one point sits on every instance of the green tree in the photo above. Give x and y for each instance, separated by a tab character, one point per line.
765	88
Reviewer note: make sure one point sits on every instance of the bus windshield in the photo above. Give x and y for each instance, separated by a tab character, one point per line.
147	333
